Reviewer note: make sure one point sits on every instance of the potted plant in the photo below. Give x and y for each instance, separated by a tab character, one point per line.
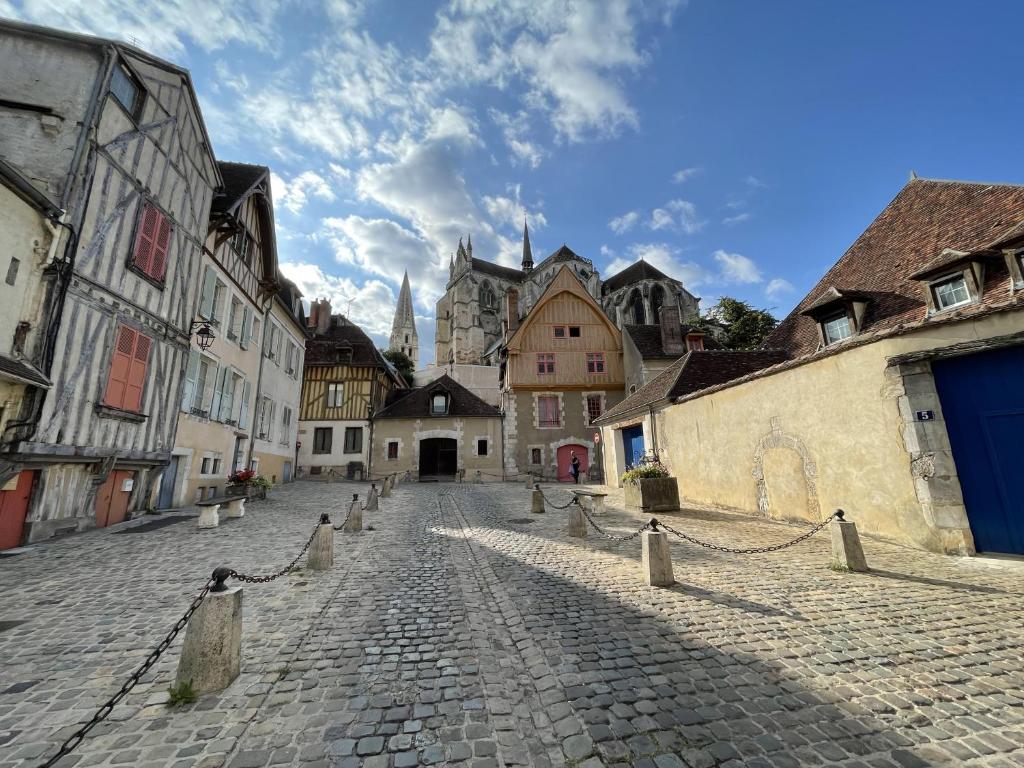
649	488
245	482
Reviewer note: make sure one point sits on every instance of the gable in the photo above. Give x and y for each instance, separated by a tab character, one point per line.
565	302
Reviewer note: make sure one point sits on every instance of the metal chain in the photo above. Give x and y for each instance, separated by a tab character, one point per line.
571	501
610	537
101	714
290	567
339	527
752	550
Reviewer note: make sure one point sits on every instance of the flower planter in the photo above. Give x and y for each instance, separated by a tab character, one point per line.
653	494
249	490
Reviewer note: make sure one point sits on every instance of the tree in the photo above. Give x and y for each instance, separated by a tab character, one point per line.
737	325
402	363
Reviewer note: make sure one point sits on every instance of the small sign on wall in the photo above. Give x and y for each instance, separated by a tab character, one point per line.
926	415
127	485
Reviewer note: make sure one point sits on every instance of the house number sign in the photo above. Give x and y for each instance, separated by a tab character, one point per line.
926	415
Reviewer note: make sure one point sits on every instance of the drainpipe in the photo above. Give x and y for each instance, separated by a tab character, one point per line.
654	433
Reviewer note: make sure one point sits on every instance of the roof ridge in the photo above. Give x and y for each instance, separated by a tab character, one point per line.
967	181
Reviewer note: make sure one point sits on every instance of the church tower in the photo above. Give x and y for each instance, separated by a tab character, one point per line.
403	330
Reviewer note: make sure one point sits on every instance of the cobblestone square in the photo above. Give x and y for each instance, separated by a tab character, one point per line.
463	630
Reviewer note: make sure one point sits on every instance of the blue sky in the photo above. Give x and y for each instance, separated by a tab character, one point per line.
739	146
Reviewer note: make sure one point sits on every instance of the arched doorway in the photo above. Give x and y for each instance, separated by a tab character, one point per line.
565	462
438	458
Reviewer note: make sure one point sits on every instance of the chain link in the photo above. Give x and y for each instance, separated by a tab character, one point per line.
343	522
233	574
752	550
568	504
610	537
101	714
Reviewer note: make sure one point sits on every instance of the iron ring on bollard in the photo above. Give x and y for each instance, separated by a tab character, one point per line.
654	524
325	519
221	575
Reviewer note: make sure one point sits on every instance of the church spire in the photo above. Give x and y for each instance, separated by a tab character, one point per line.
527	251
403	331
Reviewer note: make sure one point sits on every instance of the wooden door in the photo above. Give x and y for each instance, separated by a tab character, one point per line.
112	498
565	462
13	509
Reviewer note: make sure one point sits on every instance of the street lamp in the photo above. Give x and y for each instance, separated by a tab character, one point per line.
204	334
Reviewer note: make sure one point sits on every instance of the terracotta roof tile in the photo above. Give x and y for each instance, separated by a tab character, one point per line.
647	339
415	403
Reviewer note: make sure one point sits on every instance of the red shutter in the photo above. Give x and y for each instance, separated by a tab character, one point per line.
120	364
137	373
160	246
145	240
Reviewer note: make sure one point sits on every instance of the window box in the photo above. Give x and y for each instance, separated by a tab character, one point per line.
109	412
653	494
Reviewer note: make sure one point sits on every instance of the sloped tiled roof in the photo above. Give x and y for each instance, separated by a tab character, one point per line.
925	219
639	270
332	347
16	370
647	339
693	372
239	178
497	270
564	253
415	403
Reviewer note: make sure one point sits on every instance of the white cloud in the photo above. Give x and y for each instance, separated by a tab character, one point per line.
738	218
684	174
514	130
736	268
778	287
370	305
511	212
624	223
754	183
680	215
294	194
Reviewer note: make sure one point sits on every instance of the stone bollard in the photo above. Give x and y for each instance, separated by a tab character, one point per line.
354	524
577	522
209	517
537	501
394	480
656	558
371	499
211	655
477	479
385	488
530	482
321	550
847	553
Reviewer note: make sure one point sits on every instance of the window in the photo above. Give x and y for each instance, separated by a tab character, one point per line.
265	428
322	439
200	493
216	466
487	298
595	362
595	407
545	363
535	456
152	239
207	467
127	91
559	331
12	271
273	350
335	391
128	365
245	330
837	328
243	411
230	390
951	292
235	319
197	378
242	243
286	424
481	447
392	449
574	331
439	404
548	414
255	330
353	439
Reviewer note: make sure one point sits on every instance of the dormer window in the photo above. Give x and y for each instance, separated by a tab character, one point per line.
126	89
438	404
836	328
950	292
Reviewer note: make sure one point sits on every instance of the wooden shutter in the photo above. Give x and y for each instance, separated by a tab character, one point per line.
163	241
120	366
137	373
191	374
218	392
227	399
146	237
243	414
206	298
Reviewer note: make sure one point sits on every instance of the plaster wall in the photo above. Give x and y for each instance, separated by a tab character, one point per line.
467	431
481	380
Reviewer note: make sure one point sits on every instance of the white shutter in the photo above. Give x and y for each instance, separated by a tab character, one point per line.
246	332
191	372
227	400
206	297
218	393
243	414
270	420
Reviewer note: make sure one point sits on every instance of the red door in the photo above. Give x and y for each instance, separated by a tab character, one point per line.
13	509
565	462
112	498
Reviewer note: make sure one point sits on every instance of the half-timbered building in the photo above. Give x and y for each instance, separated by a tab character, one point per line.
345	381
237	282
115	137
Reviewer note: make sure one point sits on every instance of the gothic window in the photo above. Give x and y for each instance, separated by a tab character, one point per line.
657	301
636	308
488	300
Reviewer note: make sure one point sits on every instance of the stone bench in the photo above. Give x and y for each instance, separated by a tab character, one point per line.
209	509
596	499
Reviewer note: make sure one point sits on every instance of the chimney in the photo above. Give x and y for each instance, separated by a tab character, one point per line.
671	332
323	316
512	309
314	306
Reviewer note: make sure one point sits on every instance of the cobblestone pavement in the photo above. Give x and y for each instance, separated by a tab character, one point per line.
465	631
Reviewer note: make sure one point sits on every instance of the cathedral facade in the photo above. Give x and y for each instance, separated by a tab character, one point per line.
473	314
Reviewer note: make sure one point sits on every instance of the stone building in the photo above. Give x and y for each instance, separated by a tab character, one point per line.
900	395
403	330
113	136
436	432
345	381
472	315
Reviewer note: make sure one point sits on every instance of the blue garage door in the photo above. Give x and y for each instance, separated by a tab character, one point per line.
633	445
983	403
